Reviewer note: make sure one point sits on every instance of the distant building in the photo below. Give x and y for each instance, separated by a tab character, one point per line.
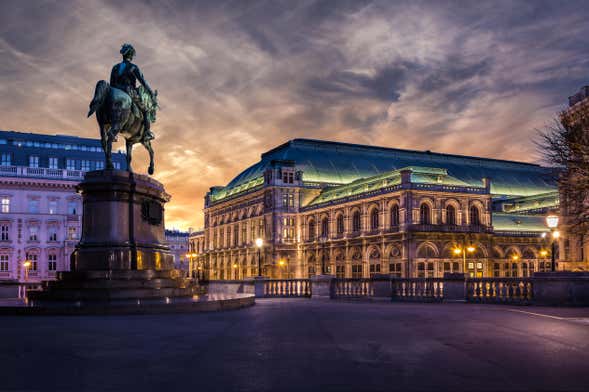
355	210
40	211
198	256
178	243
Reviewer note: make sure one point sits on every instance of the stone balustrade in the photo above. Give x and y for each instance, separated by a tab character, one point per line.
556	288
500	290
40	172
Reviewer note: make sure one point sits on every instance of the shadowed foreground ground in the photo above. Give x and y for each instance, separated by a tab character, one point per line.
302	345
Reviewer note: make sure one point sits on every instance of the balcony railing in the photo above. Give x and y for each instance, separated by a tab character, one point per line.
450	228
40	172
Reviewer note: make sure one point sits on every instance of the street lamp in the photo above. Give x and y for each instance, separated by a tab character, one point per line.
323	241
463	250
283	263
552	223
259	244
26	264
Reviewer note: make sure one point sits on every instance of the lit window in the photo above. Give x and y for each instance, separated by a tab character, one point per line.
6	161
70	164
117	165
52	162
52	262
53	207
71	208
5	205
32	258
52	234
3	263
85	165
99	165
72	233
33	161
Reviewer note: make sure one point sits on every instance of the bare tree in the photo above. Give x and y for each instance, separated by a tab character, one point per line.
565	147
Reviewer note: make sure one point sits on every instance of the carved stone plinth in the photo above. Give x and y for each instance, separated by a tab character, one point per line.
122	252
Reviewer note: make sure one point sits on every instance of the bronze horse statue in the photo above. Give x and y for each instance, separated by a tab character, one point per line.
116	114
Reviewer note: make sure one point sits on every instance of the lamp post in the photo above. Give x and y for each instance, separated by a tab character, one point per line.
552	223
463	250
323	241
26	264
259	244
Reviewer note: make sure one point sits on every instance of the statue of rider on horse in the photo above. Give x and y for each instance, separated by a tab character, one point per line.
123	108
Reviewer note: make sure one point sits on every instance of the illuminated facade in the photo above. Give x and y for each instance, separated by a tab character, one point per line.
40	211
354	210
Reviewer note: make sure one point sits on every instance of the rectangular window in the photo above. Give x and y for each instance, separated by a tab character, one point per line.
33	206
53	207
72	233
6	161
99	165
72	208
52	263
33	233
85	165
356	270
52	234
32	259
117	165
4	233
52	163
5	205
33	161
70	164
3	263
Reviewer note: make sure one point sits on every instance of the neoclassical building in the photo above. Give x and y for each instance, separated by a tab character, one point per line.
40	210
355	210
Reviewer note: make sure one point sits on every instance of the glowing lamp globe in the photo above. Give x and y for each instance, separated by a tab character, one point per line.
552	221
259	242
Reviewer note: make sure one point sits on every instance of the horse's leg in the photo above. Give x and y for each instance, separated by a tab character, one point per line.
129	146
147	145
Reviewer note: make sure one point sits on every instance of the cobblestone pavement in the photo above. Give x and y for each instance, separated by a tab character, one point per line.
302	345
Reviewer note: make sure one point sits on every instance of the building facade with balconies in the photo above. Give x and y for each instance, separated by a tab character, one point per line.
354	210
40	211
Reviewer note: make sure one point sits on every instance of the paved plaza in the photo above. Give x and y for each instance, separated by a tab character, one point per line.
303	345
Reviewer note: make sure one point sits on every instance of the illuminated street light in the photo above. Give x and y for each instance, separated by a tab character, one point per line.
259	244
552	223
543	253
26	264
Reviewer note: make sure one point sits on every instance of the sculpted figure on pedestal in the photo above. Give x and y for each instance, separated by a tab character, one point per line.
125	108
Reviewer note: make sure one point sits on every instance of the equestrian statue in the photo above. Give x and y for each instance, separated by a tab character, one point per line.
124	108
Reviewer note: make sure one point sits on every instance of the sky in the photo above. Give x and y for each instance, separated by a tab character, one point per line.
236	78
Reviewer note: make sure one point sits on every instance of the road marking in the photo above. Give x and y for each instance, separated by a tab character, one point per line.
537	314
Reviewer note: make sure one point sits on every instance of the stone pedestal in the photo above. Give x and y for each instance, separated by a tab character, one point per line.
454	287
122	252
382	287
322	286
561	288
259	286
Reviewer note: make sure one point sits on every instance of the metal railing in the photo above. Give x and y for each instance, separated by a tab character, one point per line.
353	288
418	289
287	288
500	290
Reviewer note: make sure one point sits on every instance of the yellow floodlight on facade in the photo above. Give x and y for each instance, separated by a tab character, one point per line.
457	251
543	253
515	257
26	264
470	248
234	265
281	262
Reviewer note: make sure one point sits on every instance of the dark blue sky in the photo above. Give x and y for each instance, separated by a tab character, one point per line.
236	78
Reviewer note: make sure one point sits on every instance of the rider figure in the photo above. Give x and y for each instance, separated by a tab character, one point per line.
124	76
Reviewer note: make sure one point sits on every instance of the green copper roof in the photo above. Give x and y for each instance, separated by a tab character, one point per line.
519	222
341	163
419	175
531	203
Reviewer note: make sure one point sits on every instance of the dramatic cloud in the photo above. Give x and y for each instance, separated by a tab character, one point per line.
236	78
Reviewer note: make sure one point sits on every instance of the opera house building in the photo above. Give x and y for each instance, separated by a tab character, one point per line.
311	206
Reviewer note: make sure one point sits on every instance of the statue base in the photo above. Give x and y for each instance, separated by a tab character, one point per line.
122	253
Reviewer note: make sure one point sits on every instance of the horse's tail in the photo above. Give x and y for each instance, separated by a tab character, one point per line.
100	94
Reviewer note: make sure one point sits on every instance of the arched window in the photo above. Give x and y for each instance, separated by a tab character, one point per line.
395	264
426	252
356	221
356	264
374	261
528	254
395	216
424	214
324	227
340	224
311	230
475	218
374	219
450	215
